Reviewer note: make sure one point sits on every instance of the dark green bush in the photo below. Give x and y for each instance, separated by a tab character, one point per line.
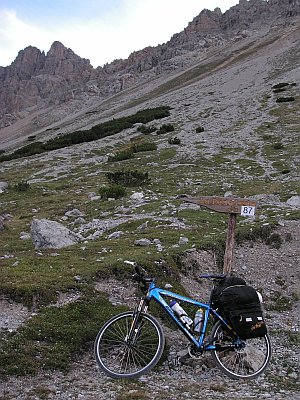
128	178
278	146
96	132
26	151
145	146
285	99
165	128
22	186
283	89
174	140
121	155
113	191
280	85
199	129
146	129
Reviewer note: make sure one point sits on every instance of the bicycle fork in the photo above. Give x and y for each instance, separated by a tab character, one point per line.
136	325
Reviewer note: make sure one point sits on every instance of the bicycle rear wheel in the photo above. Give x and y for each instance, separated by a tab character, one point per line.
122	356
246	361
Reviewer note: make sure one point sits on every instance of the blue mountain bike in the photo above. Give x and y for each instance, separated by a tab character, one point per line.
131	343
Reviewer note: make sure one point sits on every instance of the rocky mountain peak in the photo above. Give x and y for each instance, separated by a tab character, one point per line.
61	60
206	22
58	50
28	61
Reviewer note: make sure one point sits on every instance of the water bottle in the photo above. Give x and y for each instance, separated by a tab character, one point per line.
198	321
182	315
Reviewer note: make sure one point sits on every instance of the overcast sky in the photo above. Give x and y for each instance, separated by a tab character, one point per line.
99	30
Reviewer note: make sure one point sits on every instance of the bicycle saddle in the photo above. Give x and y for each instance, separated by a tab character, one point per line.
217	277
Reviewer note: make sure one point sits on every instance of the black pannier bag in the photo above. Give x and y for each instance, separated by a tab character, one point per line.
228	281
240	305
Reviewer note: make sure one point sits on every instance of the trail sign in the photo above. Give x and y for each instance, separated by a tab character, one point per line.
228	205
232	206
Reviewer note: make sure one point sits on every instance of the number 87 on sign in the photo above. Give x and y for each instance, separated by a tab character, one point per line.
247	211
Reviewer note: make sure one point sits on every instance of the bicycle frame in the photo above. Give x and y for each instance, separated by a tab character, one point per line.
157	294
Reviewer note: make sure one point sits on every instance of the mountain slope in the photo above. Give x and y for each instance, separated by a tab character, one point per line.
38	91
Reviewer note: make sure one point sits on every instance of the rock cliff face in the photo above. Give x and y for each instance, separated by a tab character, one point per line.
36	81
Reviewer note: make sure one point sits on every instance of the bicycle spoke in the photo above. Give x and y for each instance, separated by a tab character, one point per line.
247	360
125	352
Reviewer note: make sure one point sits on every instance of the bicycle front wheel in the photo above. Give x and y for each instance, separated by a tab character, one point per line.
125	353
246	361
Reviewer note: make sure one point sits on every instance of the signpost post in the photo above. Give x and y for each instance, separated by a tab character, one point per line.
231	206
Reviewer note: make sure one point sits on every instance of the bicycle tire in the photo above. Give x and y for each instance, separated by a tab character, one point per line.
119	358
247	362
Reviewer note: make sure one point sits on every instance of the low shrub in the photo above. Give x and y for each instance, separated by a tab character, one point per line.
25	151
285	99
146	129
280	85
128	178
279	90
165	128
145	146
199	129
22	186
121	155
113	192
278	146
174	140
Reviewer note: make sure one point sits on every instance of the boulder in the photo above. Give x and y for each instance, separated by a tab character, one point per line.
48	234
3	186
115	235
142	242
74	213
294	201
138	196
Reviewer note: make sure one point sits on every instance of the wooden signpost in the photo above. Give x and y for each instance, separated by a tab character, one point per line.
232	206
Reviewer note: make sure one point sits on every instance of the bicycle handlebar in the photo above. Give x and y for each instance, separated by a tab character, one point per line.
139	275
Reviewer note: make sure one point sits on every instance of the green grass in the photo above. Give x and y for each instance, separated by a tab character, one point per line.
51	339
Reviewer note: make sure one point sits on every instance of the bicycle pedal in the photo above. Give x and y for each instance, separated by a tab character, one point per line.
194	352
